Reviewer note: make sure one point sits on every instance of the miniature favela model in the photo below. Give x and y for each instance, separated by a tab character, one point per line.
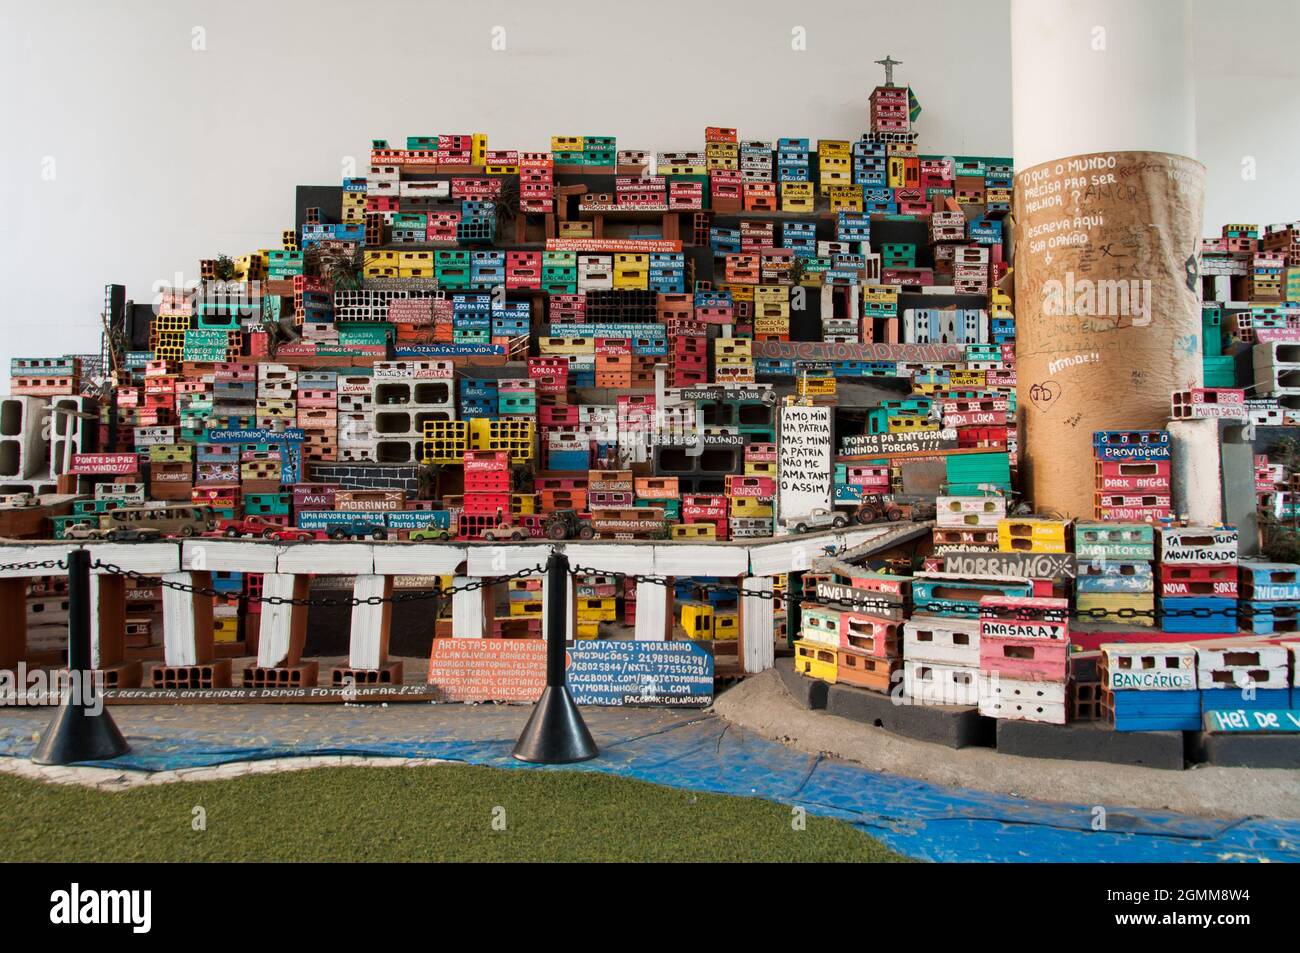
762	396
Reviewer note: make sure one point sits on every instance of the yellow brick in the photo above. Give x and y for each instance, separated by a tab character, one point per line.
726	626
815	661
1023	534
697	620
910	424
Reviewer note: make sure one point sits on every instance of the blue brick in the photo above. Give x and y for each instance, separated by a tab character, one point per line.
1176	615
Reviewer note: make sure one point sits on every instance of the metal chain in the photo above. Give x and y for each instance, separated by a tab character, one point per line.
436	592
663	581
1028	614
1242	609
43	564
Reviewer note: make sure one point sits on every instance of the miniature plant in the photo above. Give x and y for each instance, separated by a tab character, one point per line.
507	200
341	268
430	474
521	472
1279	540
277	333
798	266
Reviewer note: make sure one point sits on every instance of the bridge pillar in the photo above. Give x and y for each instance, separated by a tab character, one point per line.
757	648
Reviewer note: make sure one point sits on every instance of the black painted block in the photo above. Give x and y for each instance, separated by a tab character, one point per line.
1091	741
1247	750
954	726
808	692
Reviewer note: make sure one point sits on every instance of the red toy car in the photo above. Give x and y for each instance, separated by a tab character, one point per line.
293	534
260	526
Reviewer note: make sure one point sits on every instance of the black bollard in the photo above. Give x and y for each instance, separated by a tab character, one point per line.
75	734
556	733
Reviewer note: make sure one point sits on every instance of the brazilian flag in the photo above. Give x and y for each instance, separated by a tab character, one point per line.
913	105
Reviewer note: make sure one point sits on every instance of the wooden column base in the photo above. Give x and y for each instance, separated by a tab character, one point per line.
13	624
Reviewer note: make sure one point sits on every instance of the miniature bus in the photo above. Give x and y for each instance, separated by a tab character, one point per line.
178	520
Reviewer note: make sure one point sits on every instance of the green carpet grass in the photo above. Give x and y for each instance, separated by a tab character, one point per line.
429	813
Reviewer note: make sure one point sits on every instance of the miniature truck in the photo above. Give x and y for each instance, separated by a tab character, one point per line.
567	524
341	524
438	528
503	531
819	518
247	526
358	529
875	507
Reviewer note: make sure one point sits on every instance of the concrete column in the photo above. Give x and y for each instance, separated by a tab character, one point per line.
827	301
470	613
1197	470
1239	500
654	612
757	648
1100	76
368	644
187	620
1108	211
283	632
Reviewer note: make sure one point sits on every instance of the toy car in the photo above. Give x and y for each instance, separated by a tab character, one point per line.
875	508
819	518
439	528
567	524
133	534
247	526
920	510
357	530
504	531
293	534
83	531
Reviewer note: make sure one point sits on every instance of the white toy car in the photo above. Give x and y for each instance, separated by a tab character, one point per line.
820	518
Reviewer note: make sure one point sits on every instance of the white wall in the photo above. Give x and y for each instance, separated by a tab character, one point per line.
163	154
1076	66
1247	73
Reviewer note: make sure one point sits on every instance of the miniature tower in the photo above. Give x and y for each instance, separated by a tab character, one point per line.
889	105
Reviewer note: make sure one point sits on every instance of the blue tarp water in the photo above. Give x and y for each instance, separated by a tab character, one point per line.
704	753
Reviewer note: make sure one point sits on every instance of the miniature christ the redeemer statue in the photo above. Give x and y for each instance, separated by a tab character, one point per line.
889	63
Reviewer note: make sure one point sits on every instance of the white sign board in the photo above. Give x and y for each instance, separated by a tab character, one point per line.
803	463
